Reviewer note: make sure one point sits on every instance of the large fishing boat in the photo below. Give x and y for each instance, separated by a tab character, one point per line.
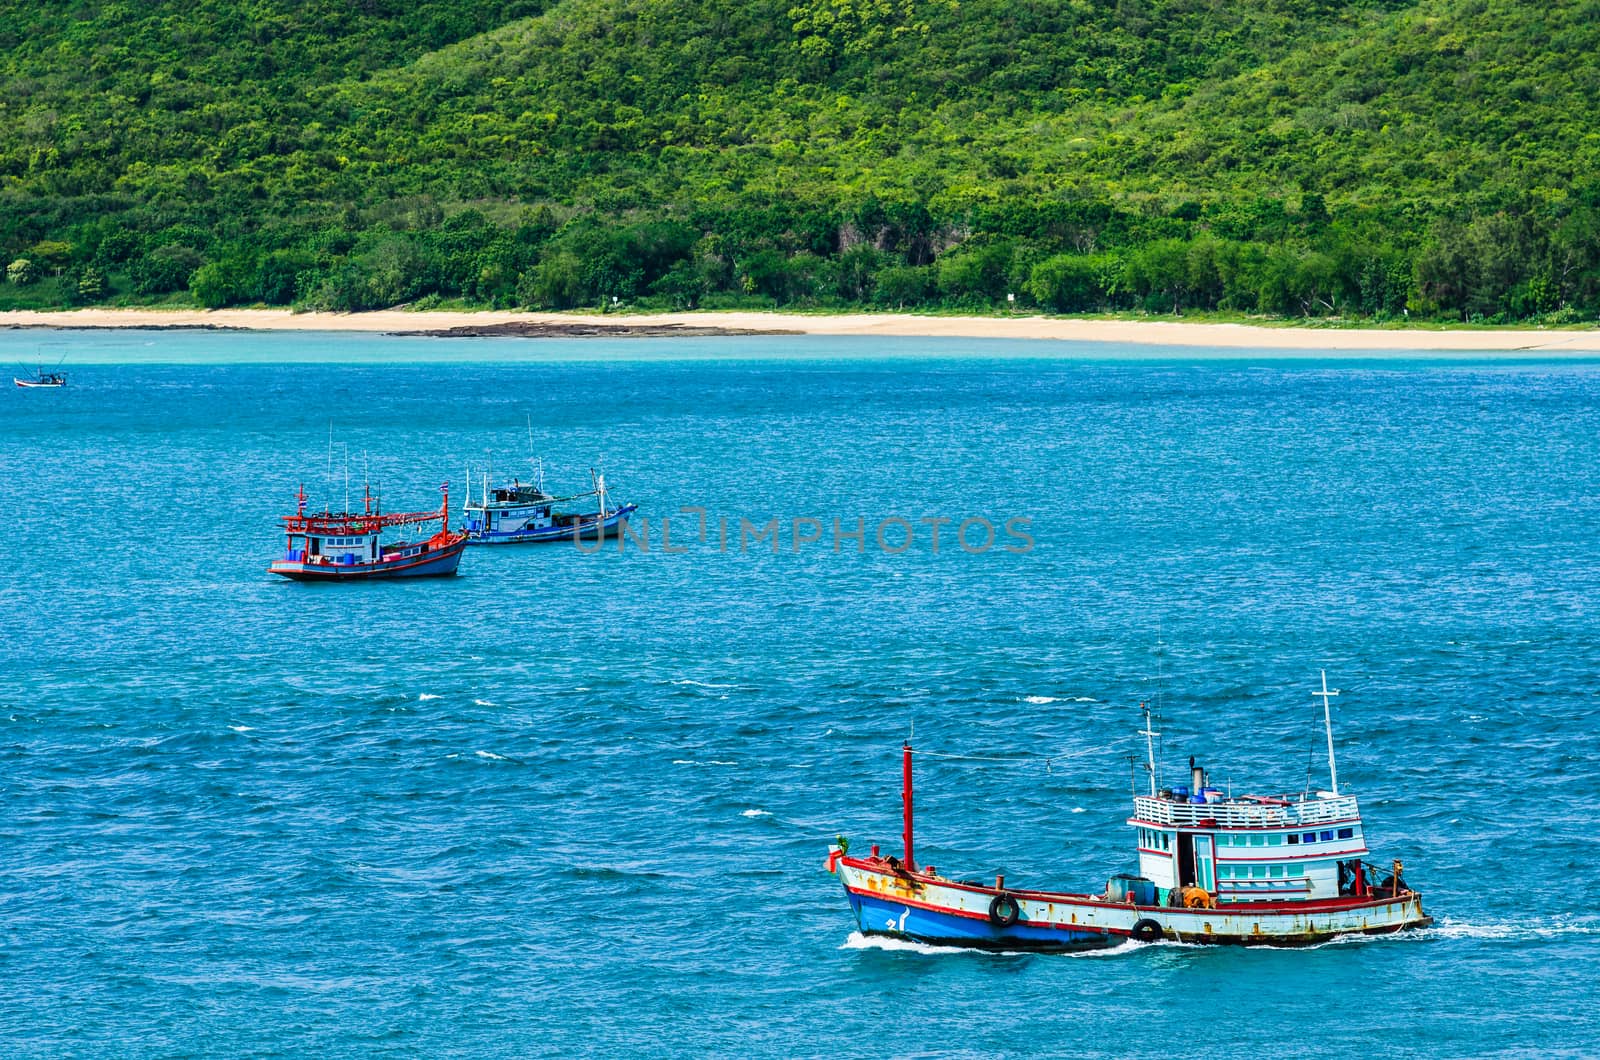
1213	868
348	546
523	513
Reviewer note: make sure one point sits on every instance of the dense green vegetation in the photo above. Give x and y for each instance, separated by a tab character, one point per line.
1296	157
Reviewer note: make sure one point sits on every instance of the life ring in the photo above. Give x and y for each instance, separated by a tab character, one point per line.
1004	910
1146	930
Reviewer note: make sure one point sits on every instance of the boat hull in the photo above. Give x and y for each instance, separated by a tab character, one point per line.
435	563
37	386
586	530
930	909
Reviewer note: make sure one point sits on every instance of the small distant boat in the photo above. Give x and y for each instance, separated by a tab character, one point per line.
1213	868
42	380
523	513
348	546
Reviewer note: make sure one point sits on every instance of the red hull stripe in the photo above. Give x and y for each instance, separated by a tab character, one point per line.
1058	898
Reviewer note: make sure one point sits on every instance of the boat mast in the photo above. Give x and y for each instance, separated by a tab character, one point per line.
537	462
1149	734
327	504
1327	720
905	800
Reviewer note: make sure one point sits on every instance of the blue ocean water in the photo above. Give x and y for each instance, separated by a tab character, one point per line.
570	804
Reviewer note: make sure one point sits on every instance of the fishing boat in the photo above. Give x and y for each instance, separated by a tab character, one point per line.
348	546
42	379
1213	868
523	513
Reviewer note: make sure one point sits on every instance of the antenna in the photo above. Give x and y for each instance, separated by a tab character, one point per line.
1149	734
537	463
366	485
329	499
1327	720
347	479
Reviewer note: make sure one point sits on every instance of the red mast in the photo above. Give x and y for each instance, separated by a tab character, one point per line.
905	798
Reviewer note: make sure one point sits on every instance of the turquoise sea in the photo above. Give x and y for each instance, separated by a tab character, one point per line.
571	804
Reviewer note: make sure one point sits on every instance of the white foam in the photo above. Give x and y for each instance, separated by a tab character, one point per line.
857	941
756	813
1454	929
1079	809
241	728
491	755
482	703
424	697
701	684
1040	700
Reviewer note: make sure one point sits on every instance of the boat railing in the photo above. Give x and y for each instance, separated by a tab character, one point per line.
1242	814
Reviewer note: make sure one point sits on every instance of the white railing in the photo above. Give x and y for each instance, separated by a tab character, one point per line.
1244	814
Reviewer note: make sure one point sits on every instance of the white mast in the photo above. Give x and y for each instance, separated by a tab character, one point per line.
1327	720
1149	734
599	490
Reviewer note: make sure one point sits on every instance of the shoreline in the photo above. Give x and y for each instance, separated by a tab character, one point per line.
1577	343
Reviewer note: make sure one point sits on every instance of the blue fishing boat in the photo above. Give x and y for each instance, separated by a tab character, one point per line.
1213	868
523	513
348	546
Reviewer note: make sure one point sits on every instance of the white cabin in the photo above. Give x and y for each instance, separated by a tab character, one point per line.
1250	848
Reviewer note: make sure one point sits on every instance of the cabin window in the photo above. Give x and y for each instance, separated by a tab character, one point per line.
1225	872
1275	840
1310	837
1293	839
1277	872
1326	836
1346	833
1258	872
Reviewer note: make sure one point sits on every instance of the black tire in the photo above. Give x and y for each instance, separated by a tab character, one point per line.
1004	910
1146	930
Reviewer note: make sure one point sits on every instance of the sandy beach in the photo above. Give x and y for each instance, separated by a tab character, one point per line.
1578	343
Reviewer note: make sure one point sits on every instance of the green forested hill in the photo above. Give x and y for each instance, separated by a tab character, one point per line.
1297	158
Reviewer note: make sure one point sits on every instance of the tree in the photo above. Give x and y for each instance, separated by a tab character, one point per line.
1068	283
22	272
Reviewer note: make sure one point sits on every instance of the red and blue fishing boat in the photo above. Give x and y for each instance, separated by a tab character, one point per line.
348	546
1213	867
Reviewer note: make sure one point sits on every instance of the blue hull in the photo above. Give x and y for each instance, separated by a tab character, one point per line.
878	916
585	531
437	564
